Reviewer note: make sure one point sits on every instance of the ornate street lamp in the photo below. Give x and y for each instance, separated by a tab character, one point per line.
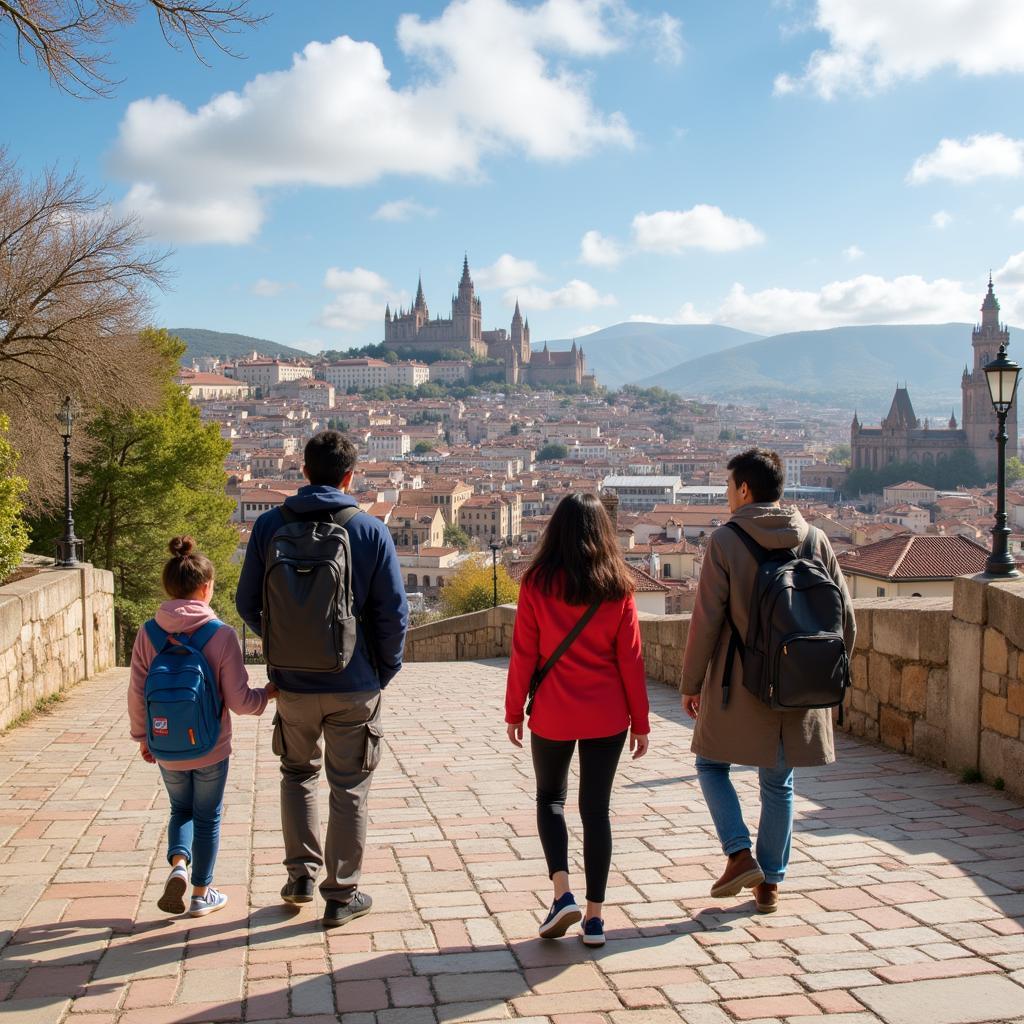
1001	374
69	547
495	548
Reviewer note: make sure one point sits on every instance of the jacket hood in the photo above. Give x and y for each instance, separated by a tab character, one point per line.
772	526
183	616
319	498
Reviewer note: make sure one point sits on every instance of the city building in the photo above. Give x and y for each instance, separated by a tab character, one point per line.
910	492
643	493
206	387
494	517
449	497
451	371
358	374
408	374
902	438
389	444
417	526
261	372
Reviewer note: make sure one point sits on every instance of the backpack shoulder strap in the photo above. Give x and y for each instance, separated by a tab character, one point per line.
157	636
759	553
288	515
809	548
204	634
345	515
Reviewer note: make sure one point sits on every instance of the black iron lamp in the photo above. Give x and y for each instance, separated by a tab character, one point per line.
69	548
495	548
1002	374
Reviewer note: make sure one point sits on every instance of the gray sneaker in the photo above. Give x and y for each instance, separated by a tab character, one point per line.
173	899
210	901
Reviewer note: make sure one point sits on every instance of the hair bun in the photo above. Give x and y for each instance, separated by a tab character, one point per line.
181	547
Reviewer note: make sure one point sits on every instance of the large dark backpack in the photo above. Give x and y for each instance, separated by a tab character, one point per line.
308	624
794	655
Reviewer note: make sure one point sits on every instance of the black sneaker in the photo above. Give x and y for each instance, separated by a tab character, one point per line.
336	913
299	890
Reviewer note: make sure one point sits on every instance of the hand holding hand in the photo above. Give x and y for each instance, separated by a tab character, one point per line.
145	754
638	744
272	691
691	704
515	734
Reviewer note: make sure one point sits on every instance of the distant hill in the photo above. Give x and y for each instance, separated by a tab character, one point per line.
627	352
215	343
846	366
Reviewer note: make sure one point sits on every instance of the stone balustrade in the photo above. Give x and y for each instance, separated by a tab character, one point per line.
56	628
938	678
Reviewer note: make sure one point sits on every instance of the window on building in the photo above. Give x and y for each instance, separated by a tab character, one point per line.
879	591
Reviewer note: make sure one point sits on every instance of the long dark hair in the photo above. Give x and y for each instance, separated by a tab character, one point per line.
579	558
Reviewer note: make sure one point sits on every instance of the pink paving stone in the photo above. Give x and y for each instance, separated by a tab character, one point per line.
266	1000
411	992
451	936
843	899
837	1001
900	892
927	971
796	931
54	981
194	1013
578	1018
349	943
1007	926
771	1006
655	976
151	992
352	996
885	917
769	967
637	998
257	972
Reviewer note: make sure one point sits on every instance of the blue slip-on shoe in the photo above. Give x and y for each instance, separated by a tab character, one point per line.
561	916
592	932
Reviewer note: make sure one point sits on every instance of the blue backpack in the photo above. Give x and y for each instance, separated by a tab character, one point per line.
183	703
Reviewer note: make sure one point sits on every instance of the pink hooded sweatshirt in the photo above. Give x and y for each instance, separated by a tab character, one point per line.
224	654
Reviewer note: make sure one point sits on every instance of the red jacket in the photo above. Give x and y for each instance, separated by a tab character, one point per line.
597	688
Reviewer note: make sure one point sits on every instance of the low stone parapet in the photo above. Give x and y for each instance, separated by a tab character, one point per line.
473	637
56	628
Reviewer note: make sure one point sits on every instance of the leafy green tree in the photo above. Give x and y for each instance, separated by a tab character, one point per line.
154	474
552	452
471	589
423	447
456	537
13	531
840	455
1014	470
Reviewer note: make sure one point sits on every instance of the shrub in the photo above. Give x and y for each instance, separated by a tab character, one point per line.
471	589
13	532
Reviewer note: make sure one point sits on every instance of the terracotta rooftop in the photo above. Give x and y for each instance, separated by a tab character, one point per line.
916	557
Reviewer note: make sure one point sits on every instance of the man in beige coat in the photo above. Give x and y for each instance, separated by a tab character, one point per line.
746	731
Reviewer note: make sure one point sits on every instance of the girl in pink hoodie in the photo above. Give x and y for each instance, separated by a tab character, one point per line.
195	787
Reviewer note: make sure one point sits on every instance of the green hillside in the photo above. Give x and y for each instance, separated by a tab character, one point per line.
231	346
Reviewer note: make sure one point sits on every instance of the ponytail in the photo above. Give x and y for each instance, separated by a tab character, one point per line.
187	569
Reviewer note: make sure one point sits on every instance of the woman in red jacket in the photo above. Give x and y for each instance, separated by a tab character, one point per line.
593	695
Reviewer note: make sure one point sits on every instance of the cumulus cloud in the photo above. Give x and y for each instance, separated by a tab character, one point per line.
402	209
598	251
359	298
701	227
853	253
875	43
1011	272
267	289
941	219
489	77
1018	215
687	314
507	271
979	156
574	294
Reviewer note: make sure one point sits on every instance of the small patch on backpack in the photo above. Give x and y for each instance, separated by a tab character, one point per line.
160	727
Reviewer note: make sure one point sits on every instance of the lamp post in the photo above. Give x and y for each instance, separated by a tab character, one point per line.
495	548
69	546
1001	374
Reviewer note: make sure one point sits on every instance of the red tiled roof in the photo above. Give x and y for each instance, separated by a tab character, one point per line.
916	557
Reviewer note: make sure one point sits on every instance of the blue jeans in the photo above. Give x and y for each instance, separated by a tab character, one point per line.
775	829
197	800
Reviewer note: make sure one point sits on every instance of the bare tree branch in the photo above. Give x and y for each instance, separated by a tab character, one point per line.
69	39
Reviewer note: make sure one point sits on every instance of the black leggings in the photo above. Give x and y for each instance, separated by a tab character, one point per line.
599	759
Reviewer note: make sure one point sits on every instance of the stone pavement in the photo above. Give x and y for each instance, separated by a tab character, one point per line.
905	903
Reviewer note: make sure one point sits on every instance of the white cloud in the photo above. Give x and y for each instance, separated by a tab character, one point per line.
702	227
402	209
875	43
507	271
941	219
866	299
667	33
853	253
598	251
359	299
574	294
1018	215
267	289
489	77
687	314
582	332
1011	272
979	156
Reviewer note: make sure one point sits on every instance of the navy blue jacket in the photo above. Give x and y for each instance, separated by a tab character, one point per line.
377	592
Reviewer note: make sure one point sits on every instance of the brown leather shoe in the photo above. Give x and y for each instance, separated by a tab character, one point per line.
741	872
766	897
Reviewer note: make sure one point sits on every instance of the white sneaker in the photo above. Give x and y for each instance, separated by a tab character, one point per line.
172	901
210	901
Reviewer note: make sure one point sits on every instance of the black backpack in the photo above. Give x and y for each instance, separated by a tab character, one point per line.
308	623
794	656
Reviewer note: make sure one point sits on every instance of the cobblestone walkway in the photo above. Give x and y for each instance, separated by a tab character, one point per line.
905	902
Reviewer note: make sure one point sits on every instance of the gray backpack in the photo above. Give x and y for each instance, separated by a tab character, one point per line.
308	623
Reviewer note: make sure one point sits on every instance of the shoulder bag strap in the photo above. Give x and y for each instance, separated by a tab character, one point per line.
538	676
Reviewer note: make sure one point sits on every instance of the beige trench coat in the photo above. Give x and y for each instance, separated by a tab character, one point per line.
747	731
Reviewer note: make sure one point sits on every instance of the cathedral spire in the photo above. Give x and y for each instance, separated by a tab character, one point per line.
466	279
421	302
517	315
952	420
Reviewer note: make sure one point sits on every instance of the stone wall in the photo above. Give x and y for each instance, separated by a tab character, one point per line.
56	628
472	637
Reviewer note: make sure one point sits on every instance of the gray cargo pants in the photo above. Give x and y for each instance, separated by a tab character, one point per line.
350	726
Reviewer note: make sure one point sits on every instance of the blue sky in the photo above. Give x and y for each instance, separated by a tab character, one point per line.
771	165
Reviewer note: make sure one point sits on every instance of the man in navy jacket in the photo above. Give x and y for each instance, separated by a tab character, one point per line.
342	707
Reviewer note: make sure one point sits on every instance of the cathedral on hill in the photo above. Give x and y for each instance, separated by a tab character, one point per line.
902	438
413	333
